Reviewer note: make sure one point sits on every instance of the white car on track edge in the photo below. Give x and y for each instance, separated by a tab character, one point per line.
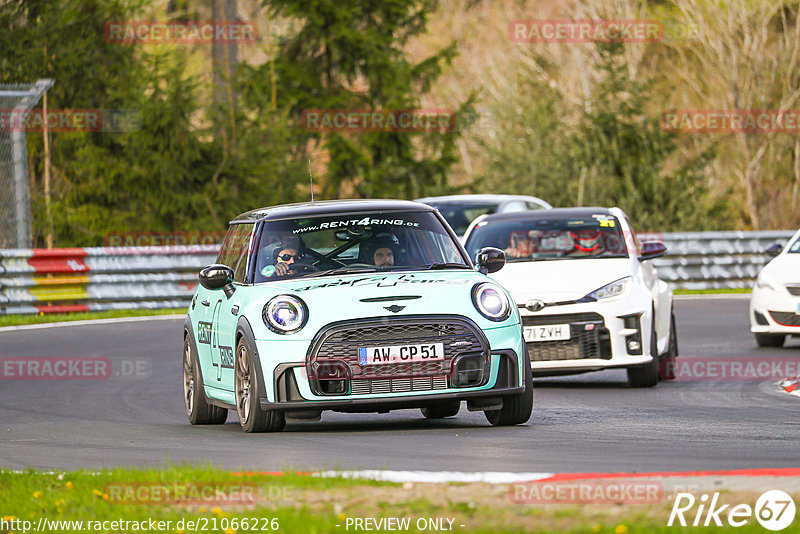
775	302
588	296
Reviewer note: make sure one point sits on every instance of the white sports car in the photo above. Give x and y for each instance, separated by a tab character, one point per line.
588	297
775	303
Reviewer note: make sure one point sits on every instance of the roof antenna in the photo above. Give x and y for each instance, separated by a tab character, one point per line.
311	178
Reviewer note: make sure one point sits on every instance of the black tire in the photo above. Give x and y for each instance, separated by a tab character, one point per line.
198	410
251	416
770	340
516	409
646	376
440	411
669	360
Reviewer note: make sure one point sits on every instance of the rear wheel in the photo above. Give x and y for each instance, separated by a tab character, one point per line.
440	411
646	376
516	409
770	340
668	361
198	410
251	416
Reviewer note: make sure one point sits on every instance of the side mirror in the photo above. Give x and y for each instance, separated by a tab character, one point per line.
216	277
774	249
652	249
490	260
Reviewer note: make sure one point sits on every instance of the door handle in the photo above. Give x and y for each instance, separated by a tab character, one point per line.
206	303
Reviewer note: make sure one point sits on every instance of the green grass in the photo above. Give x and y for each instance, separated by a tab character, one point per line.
302	503
17	320
711	291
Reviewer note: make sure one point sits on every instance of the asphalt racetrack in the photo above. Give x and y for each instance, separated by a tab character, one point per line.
583	423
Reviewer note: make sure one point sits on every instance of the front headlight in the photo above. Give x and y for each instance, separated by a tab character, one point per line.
765	283
285	314
491	301
614	289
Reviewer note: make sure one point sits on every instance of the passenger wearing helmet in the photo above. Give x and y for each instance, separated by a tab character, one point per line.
382	251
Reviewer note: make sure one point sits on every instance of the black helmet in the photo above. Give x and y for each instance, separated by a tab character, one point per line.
381	240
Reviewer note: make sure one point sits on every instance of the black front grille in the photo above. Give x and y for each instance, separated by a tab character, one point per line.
794	289
785	318
340	342
582	344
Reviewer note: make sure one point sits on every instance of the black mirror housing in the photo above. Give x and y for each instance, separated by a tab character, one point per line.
774	249
490	260
216	277
652	249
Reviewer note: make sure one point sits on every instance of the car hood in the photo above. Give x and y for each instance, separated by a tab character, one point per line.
559	280
357	296
784	268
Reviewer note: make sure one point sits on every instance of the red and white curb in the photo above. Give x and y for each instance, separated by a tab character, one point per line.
791	386
500	477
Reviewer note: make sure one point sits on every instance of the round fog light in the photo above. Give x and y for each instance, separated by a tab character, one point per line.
633	345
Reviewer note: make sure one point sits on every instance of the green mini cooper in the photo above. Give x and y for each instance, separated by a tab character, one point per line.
351	306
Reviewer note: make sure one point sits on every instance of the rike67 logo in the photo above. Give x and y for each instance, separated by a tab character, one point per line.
774	510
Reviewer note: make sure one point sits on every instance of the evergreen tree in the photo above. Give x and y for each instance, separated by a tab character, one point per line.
350	55
631	162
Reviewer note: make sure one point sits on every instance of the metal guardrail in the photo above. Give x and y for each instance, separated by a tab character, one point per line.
102	278
106	278
714	260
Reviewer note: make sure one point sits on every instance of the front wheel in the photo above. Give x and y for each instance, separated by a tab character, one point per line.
516	409
198	410
251	416
669	360
770	340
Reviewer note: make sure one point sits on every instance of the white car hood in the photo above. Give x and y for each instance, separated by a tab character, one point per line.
783	269
558	280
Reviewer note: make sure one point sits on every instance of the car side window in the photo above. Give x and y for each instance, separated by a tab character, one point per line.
235	250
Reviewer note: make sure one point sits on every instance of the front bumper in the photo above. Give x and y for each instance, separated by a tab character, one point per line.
774	311
289	387
599	336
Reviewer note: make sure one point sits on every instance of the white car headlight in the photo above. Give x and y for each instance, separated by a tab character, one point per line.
764	283
285	314
491	301
614	289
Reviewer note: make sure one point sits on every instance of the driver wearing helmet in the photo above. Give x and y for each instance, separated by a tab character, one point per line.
587	240
382	251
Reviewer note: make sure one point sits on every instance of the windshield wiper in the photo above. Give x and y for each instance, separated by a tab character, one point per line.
341	270
436	266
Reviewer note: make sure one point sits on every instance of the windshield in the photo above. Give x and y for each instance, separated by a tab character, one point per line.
363	242
459	216
596	236
795	248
